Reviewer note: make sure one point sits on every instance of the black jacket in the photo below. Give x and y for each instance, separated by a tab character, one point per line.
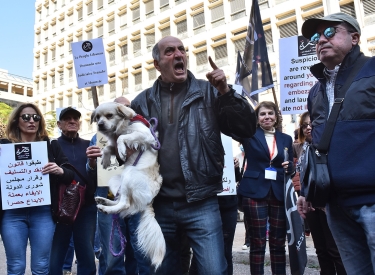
203	116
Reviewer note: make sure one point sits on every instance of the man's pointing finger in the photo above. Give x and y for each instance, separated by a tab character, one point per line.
213	65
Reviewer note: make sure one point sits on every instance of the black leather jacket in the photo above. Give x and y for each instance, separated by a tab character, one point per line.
203	116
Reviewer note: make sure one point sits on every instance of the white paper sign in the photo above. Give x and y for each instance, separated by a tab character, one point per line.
22	181
229	179
297	55
89	63
114	169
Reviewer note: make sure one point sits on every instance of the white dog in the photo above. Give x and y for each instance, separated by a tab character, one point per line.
138	184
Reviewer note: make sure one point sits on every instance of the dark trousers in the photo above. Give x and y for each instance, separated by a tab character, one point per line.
325	246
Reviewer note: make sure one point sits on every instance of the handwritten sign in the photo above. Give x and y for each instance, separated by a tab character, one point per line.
89	63
114	169
229	179
22	181
297	55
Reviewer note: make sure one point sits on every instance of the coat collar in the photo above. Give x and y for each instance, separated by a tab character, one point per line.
259	134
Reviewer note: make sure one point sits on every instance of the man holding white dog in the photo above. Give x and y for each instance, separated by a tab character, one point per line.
191	115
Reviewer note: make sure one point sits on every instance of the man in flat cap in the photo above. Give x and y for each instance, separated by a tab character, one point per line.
346	75
83	228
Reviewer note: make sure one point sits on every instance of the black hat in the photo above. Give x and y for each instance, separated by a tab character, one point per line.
310	25
67	110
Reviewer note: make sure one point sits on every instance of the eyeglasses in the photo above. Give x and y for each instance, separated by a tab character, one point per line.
305	125
27	117
328	33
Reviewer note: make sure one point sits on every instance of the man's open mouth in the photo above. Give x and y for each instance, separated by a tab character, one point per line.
179	68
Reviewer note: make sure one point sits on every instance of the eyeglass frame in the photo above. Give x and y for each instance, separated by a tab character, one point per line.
324	33
27	117
305	125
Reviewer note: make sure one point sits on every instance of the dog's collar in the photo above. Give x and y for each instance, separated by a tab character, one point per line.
140	118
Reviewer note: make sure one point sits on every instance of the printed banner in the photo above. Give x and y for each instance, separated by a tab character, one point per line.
297	55
22	181
229	179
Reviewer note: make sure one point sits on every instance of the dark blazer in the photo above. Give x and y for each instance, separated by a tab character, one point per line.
253	184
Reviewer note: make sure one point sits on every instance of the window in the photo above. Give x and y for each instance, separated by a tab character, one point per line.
124	83
53	83
138	78
182	27
37	62
288	29
79	14
368	7
112	55
151	74
89	8
164	4
137	46
112	87
201	58
149	8
198	20
53	103
150	40
221	52
124	50
89	34
79	98
316	15
100	90
100	31
123	19
70	73
53	53
269	39
111	26
70	18
217	15
239	45
349	9
45	85
61	74
100	4
238	9
136	14
70	101
45	58
166	31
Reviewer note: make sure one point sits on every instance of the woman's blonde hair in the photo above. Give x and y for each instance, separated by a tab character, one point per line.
301	136
13	131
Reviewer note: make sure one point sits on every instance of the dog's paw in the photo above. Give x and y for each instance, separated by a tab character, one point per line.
101	209
121	148
100	200
106	162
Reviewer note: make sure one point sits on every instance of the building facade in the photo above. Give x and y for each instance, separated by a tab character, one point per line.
129	29
15	89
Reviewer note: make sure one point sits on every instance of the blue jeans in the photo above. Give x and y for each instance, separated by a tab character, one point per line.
83	230
135	260
19	225
69	256
353	229
202	223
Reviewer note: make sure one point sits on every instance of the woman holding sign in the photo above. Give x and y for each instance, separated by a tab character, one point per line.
262	189
26	124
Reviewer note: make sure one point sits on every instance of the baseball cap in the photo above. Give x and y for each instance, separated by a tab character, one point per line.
69	110
310	25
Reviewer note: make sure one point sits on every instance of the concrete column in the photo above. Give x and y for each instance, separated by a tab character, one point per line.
24	91
10	84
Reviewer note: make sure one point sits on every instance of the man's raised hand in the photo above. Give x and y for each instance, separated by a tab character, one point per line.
217	78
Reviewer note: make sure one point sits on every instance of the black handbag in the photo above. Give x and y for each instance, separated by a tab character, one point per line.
316	178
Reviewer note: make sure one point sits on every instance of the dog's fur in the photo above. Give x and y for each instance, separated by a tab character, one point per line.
137	185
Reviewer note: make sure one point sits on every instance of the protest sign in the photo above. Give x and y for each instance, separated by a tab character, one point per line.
22	181
297	55
89	63
113	169
229	180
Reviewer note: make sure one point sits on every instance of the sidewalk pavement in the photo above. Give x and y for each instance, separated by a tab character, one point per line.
242	256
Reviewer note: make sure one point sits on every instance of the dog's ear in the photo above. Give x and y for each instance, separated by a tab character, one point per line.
93	114
125	112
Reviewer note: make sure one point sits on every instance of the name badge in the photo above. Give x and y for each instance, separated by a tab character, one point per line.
270	173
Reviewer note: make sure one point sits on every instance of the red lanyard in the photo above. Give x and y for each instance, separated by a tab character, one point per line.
273	148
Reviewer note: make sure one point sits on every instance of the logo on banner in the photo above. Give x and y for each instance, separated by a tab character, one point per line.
22	151
305	47
87	46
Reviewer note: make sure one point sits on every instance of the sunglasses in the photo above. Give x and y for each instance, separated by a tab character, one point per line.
305	125
27	117
328	33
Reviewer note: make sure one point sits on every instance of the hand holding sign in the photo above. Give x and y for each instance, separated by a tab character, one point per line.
217	78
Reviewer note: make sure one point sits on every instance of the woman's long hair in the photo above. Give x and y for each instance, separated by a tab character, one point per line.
13	131
301	136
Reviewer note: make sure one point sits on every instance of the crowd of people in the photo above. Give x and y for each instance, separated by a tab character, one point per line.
192	113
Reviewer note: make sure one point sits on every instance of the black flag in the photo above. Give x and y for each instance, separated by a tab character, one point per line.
295	228
255	75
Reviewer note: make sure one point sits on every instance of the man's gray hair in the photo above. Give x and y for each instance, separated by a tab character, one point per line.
156	52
